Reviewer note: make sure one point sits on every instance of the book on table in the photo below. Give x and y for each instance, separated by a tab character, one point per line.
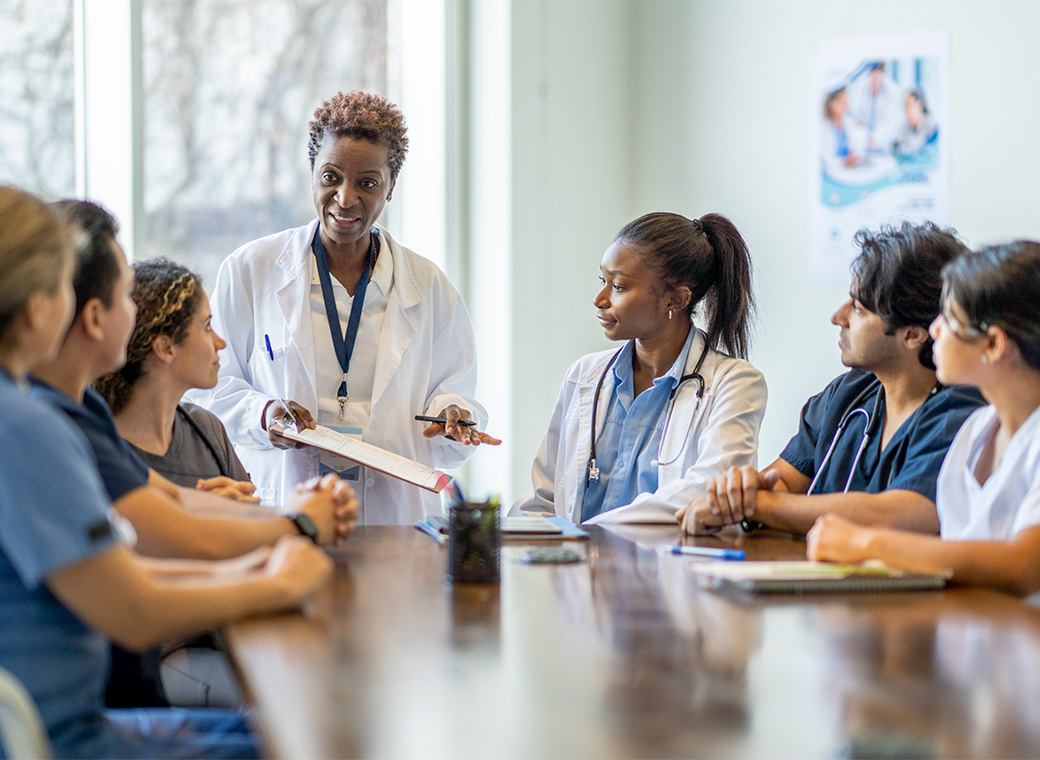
804	577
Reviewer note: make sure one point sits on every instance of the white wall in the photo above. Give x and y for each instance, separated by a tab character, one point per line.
619	108
721	92
572	180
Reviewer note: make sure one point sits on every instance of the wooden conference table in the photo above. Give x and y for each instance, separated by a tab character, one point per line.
623	655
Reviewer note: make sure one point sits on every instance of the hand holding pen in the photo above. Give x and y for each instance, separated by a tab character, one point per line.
457	426
280	414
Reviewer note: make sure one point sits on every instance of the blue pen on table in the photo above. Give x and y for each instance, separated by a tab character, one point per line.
707	552
442	420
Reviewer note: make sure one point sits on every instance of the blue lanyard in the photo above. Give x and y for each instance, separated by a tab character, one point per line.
344	345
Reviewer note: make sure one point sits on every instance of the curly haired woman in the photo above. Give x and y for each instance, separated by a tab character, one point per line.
345	327
172	350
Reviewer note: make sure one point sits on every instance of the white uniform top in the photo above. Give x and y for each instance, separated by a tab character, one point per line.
1009	501
425	359
705	439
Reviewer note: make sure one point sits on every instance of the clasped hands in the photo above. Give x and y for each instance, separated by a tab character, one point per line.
729	498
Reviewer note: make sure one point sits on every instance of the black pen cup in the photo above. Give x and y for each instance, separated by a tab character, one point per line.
474	543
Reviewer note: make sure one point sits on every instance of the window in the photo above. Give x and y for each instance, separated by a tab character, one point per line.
229	88
37	103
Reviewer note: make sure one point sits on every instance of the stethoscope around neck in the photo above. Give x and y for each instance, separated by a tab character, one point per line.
873	418
592	472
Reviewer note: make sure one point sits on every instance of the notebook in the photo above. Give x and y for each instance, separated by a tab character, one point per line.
803	577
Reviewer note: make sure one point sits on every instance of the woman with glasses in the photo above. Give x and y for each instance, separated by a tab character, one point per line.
638	430
988	497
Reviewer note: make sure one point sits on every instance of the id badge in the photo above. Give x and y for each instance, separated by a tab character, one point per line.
347	469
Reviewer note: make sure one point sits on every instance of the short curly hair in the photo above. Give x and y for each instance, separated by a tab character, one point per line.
168	297
361	115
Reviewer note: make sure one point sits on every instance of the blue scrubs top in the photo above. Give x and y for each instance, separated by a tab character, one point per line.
122	470
631	435
914	455
54	513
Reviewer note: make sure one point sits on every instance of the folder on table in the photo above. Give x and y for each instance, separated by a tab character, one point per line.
385	461
803	577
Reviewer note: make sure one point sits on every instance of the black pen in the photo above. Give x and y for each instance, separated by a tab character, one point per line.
424	418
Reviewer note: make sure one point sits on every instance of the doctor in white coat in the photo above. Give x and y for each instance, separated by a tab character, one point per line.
638	431
405	341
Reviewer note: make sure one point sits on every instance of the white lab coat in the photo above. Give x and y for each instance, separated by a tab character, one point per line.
426	359
722	433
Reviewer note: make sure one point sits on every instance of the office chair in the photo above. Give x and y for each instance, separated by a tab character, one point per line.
21	731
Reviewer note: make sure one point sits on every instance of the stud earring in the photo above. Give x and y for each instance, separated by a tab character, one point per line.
669	314
985	359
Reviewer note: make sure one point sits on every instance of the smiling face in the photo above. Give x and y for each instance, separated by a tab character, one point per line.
196	360
351	183
631	304
862	339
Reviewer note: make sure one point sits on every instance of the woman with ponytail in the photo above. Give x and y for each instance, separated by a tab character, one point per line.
172	350
637	431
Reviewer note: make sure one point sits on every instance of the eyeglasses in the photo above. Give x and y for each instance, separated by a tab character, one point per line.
961	331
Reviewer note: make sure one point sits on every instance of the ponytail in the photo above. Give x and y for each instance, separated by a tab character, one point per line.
709	257
729	304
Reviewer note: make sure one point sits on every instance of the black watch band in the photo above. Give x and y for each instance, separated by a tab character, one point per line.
305	525
750	526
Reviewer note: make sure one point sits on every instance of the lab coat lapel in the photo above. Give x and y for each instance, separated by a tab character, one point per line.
680	426
399	328
586	396
293	297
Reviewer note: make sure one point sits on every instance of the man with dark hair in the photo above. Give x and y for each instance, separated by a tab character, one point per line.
870	445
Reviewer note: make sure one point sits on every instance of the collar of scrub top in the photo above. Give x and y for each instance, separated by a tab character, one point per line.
874	419
344	344
591	470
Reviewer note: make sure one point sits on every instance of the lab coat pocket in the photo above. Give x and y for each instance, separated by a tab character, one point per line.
267	366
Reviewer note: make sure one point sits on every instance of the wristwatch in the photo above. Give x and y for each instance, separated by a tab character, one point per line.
305	525
750	526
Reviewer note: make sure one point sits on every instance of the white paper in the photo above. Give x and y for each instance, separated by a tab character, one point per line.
385	461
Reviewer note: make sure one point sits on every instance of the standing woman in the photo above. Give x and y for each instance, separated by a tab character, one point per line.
172	350
349	328
637	431
988	491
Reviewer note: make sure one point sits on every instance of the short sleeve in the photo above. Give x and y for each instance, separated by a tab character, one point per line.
934	431
800	452
53	506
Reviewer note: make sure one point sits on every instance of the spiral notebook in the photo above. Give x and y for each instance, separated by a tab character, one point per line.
805	577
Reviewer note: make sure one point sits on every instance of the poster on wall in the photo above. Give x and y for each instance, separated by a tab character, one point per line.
880	136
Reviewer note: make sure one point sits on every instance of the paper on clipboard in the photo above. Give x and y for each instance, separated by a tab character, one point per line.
385	461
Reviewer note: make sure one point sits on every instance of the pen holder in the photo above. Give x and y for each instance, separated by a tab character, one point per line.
474	542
